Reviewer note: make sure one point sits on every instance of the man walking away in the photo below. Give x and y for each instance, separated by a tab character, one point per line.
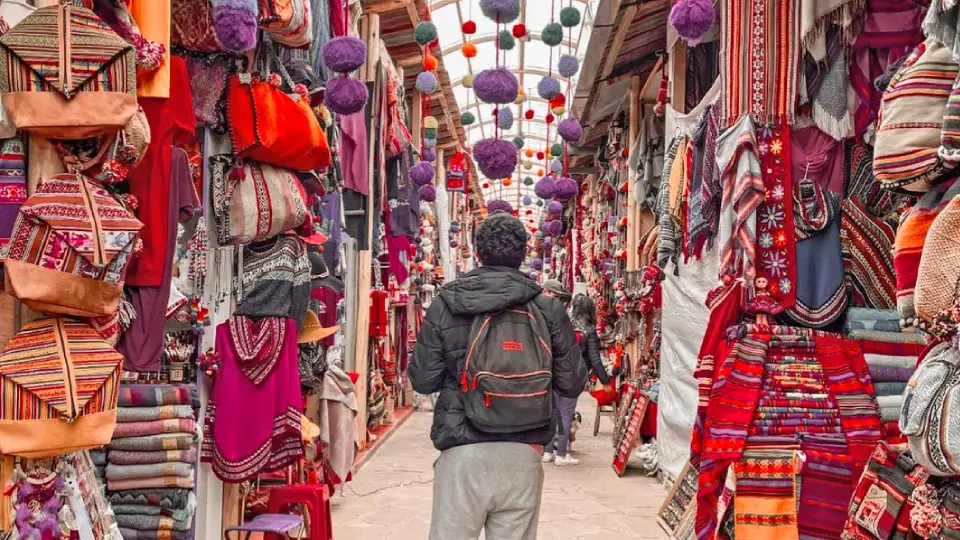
554	288
499	352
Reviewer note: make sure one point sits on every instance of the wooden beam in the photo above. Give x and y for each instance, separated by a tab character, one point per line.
611	60
678	77
384	6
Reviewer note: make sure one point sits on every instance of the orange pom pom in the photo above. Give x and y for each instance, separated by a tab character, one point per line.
430	62
506	182
529	152
540	172
469	50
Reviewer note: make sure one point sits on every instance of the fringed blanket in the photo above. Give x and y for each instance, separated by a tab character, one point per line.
162	498
125	457
765	505
144	395
147	483
155	427
143	414
153	523
155	442
125	472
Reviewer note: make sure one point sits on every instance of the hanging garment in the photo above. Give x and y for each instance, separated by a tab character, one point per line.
867	244
275	279
253	428
669	202
336	416
353	152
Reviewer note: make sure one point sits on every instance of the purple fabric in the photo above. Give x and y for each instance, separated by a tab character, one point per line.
811	147
275	523
353	152
142	343
890	374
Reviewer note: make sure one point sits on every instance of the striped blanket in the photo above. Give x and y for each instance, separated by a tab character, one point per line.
151	395
142	414
126	472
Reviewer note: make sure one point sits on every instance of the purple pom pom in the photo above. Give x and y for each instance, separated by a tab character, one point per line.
555	207
545	188
430	143
429	154
236	23
566	189
556	227
527	201
496	158
499	206
548	88
345	95
505	118
692	18
422	173
344	54
454	243
496	86
427	82
428	193
556	166
568	66
501	11
538	262
570	130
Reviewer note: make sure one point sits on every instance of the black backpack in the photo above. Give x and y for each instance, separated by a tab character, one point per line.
507	378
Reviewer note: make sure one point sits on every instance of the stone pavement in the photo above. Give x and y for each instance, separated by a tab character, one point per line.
390	497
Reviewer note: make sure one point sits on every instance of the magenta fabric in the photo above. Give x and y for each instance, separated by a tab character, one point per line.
398	248
338	17
329	299
353	152
142	343
250	429
822	153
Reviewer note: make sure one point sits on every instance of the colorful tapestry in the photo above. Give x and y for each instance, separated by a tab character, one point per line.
765	507
826	486
13	185
867	244
151	395
881	505
761	53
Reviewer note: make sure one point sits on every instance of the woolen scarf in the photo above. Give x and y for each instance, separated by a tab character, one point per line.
743	191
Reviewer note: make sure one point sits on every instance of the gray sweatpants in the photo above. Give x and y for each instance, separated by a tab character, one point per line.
494	487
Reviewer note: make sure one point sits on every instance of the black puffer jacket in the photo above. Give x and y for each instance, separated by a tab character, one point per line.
442	345
590	344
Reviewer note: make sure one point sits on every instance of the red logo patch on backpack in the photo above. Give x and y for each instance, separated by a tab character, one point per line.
513	346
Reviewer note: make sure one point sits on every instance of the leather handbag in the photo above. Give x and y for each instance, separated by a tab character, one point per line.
270	126
65	74
70	247
62	382
930	416
255	201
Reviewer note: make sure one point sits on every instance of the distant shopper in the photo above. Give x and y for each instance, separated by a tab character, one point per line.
499	352
554	288
583	312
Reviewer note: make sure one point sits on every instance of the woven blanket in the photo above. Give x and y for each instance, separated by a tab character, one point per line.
890	374
142	414
180	514
155	442
889	360
891	413
163	498
889	388
760	48
147	483
133	534
99	457
150	470
887	337
827	482
155	427
153	523
743	191
144	395
126	457
766	502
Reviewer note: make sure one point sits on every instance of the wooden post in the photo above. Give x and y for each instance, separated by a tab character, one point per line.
678	77
370	30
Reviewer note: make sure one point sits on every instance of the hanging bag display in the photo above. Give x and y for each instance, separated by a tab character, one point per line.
930	417
270	126
60	384
70	248
254	201
65	74
939	263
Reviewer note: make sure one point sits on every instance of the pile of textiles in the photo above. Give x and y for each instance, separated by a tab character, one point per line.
150	465
790	414
883	325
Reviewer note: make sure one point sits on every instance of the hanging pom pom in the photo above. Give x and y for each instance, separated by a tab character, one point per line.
556	149
505	118
426	82
528	152
345	95
518	142
236	23
467	118
499	206
527	201
529	114
528	181
505	41
549	119
521	96
485	185
555	207
558	110
469	28
429	154
502	11
545	188
566	189
430	62
540	156
496	86
469	50
568	66
430	122
467	81
519	30
692	19
540	173
496	158
424	33
422	173
569	17
507	182
558	100
428	193
548	88
556	166
344	54
552	34
570	130
274	80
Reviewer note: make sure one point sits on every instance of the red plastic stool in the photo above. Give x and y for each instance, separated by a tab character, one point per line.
316	499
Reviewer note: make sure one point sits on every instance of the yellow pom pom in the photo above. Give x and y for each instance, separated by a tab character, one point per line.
430	122
468	81
559	110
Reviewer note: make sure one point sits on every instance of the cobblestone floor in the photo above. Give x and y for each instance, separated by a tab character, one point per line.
390	497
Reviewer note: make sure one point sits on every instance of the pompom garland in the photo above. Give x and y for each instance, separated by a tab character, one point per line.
467	118
518	142
569	17
555	207
428	193
496	158
422	173
344	54
426	82
552	34
545	188
497	85
505	118
236	23
501	11
424	33
345	95
506	41
430	122
568	65
692	19
430	62
548	88
570	130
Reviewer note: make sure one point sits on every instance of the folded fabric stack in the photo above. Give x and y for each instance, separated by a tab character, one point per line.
879	325
150	465
891	364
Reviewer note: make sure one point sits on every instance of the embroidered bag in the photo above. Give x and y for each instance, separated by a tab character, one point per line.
880	508
208	76
906	156
192	27
65	74
254	201
939	264
70	247
930	416
271	126
60	384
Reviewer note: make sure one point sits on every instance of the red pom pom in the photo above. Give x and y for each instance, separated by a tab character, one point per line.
485	185
519	30
558	101
469	28
529	114
540	155
549	118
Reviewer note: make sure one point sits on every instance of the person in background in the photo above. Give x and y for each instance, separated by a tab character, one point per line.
490	480
554	288
583	312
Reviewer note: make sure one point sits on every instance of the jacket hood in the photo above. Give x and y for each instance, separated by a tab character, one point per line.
488	289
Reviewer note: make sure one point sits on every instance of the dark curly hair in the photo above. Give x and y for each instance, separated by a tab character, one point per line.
501	241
